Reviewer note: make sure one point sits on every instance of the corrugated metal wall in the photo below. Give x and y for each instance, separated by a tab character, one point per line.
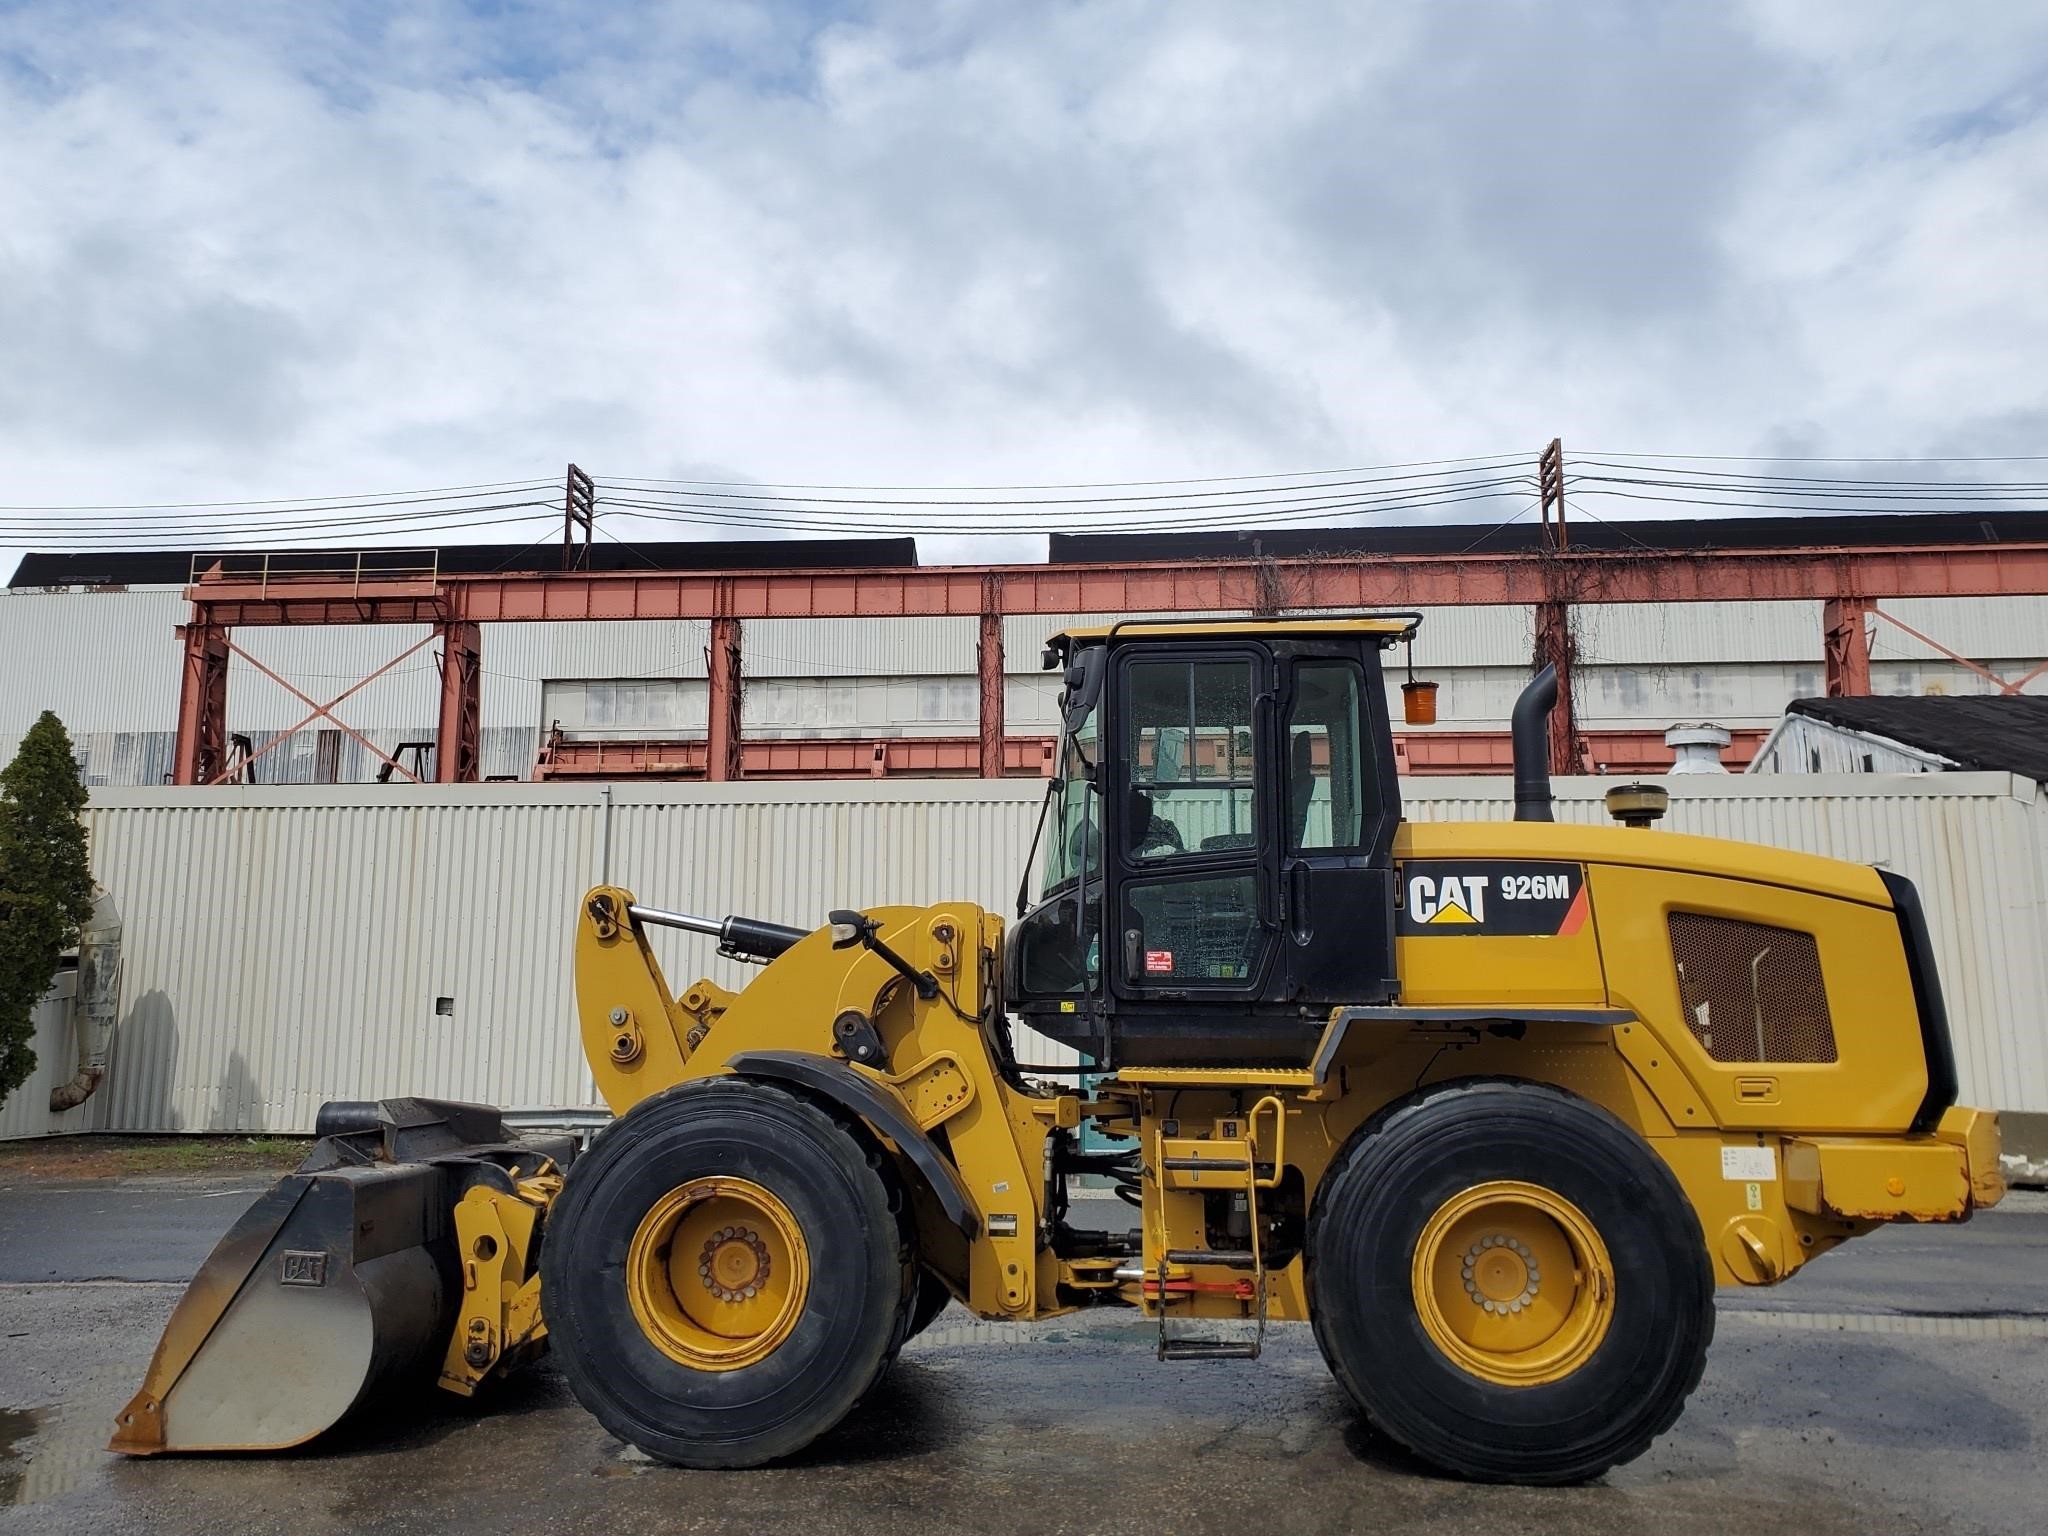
288	945
26	1111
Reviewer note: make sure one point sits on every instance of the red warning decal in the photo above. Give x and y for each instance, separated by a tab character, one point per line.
1158	962
1575	914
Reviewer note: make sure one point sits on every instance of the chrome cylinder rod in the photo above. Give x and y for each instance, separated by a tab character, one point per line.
744	936
715	926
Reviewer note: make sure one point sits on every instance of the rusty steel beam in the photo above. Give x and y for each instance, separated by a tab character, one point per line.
1371	581
1420	753
2001	684
988	665
319	711
1845	640
723	673
1557	647
1426	753
923	756
202	754
562	759
1848	580
458	743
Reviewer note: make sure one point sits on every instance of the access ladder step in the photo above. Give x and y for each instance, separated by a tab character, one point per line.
1229	1258
1208	1349
1192	1162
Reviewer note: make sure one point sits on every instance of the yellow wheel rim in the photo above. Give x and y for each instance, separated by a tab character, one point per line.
1512	1282
717	1274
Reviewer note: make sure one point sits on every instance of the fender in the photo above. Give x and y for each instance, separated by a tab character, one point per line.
883	1112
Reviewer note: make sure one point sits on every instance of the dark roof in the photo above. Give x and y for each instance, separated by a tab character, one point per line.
173	567
1458	538
2005	733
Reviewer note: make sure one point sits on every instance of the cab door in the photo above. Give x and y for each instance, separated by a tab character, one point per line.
1193	904
1341	808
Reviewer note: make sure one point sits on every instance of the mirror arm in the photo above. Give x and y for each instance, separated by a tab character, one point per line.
863	930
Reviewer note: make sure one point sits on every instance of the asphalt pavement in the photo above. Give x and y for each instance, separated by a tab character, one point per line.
1899	1384
116	1229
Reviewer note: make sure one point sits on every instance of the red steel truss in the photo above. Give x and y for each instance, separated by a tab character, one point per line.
1848	581
960	757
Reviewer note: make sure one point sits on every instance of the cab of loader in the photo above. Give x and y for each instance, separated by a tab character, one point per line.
1218	839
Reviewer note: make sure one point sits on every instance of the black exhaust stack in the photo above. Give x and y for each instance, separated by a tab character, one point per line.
1532	747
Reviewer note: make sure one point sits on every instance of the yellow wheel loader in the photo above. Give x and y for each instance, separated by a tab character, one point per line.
1493	1106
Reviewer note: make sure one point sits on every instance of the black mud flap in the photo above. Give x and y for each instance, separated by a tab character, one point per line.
339	1282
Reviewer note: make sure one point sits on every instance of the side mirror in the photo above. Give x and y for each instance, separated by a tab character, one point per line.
849	928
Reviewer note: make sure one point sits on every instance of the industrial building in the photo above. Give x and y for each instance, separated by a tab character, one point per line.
235	712
95	637
2002	733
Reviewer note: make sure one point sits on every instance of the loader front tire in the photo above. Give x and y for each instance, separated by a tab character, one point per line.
723	1275
1509	1282
930	1300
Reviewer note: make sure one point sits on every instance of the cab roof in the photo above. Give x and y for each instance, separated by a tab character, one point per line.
1390	627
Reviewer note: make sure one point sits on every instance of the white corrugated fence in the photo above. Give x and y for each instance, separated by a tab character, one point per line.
290	944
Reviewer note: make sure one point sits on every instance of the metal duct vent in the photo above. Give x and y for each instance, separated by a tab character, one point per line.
1751	992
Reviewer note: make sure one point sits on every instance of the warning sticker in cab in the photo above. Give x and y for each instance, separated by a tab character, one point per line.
1491	897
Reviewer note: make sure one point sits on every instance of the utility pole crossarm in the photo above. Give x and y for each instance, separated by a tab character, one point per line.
579	510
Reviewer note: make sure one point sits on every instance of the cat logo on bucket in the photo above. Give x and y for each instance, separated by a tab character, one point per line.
1524	898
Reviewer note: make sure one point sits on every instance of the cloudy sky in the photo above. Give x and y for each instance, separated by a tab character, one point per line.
305	249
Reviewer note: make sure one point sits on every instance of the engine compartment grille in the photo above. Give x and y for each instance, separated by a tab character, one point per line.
1751	991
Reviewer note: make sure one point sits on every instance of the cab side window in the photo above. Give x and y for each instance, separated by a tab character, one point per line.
1327	790
1189	751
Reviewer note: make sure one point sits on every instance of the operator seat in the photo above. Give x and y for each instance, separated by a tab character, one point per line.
1151	833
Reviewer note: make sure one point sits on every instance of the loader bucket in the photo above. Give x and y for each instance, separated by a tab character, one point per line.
340	1282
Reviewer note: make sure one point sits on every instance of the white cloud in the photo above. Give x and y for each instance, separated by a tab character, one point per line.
336	249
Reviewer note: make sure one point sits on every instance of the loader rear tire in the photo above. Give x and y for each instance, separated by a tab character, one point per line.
724	1273
1509	1282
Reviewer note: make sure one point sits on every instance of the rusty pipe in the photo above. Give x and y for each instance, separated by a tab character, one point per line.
95	1001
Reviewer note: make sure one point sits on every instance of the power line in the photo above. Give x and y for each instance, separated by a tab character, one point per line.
1533	503
1320	487
1481	460
1204	518
1783	458
1837	490
1005	518
256	539
367	499
1189	504
1822	480
1757	506
124	525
